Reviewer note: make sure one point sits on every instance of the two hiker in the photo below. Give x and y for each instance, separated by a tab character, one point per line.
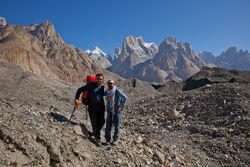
116	100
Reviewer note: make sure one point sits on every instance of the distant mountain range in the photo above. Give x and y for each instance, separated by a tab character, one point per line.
171	61
39	49
231	59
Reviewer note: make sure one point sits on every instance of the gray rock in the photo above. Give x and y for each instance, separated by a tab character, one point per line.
139	140
160	157
169	164
55	153
148	142
86	156
174	114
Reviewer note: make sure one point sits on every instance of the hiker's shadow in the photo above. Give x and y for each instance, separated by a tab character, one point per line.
61	118
88	133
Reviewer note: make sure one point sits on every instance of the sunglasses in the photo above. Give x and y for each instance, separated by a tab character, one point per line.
98	78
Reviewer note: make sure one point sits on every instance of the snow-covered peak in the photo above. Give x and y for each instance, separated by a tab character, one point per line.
88	51
96	51
139	37
148	45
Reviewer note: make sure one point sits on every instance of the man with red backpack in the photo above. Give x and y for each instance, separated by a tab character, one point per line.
84	95
96	106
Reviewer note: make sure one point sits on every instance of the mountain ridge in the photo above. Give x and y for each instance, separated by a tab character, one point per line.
232	58
40	49
170	61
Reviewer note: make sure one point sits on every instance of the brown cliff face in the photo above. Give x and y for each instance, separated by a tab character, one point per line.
41	50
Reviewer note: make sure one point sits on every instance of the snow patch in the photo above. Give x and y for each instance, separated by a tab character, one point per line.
96	51
88	51
148	45
138	37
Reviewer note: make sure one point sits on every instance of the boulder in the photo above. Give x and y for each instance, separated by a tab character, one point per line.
174	114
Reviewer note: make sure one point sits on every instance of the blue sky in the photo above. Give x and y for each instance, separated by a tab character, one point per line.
208	25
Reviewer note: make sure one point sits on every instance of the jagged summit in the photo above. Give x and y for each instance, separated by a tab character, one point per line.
141	41
173	60
96	50
134	52
171	41
101	58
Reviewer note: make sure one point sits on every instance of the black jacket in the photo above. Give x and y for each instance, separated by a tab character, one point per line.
94	94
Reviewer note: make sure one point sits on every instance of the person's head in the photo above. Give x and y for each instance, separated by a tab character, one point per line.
99	78
111	83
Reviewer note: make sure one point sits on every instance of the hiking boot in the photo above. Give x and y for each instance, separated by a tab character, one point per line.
115	141
107	143
98	143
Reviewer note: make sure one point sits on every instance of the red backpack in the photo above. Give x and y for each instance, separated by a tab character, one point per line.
89	79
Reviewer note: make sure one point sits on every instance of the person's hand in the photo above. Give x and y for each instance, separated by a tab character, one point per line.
77	101
117	107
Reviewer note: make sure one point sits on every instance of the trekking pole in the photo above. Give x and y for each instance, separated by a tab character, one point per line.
76	106
72	113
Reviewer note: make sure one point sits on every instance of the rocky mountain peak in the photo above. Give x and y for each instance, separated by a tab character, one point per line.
208	57
140	39
132	43
171	41
232	49
3	22
117	52
129	43
232	58
232	52
46	28
134	51
33	26
46	32
100	57
39	49
177	59
97	51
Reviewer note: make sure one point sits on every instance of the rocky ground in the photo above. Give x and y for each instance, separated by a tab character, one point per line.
208	126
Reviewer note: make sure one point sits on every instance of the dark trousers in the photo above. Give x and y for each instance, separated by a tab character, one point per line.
96	115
